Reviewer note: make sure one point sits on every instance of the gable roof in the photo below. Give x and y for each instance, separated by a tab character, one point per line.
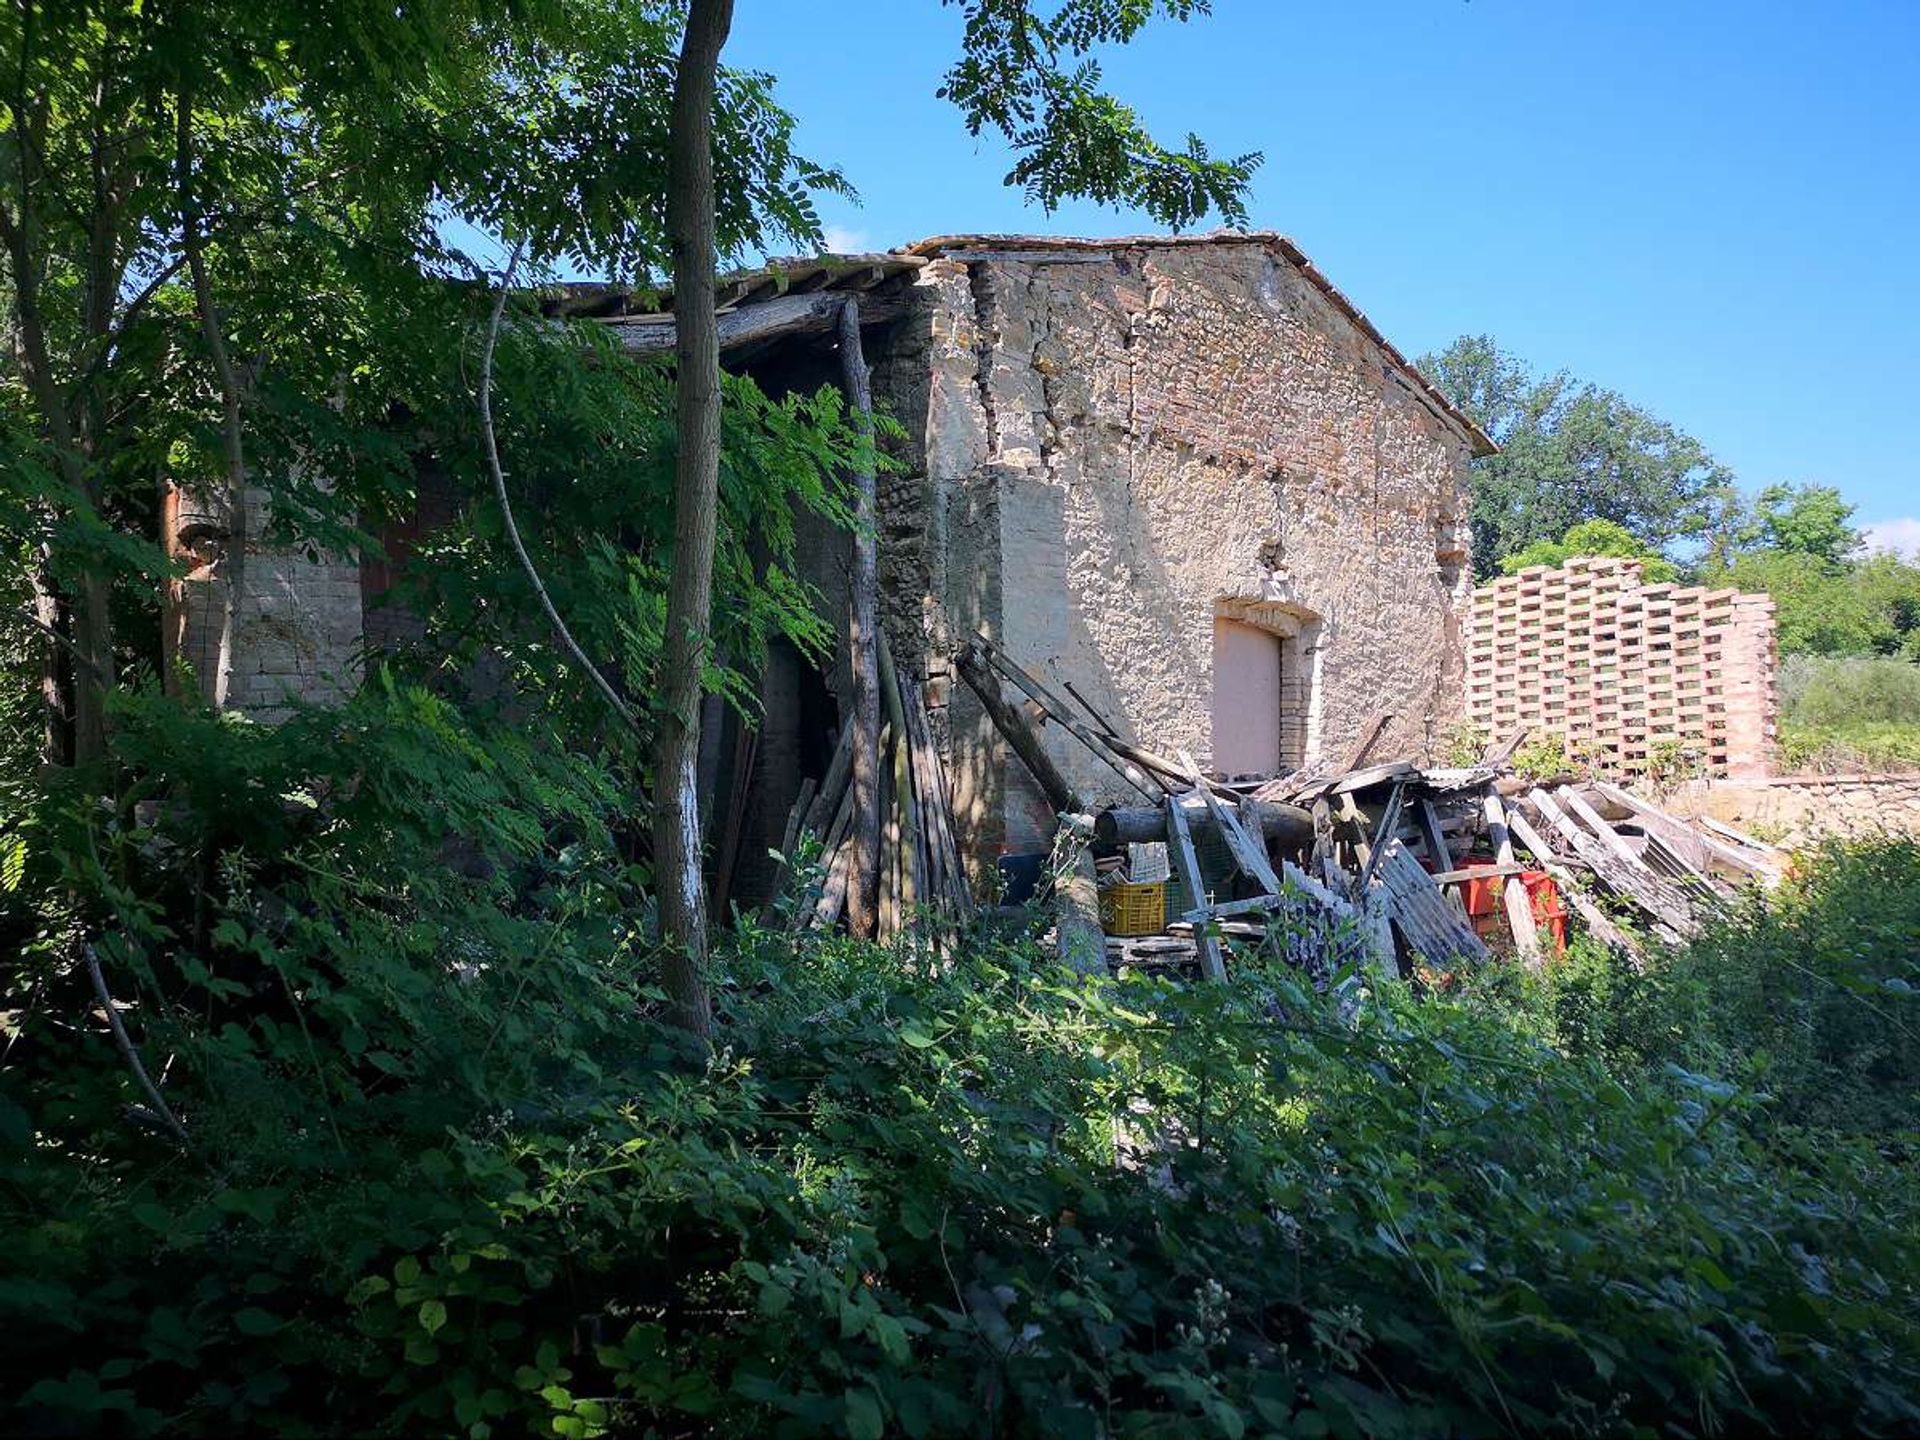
983	246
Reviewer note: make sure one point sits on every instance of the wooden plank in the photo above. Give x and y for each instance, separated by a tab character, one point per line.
826	800
1653	899
1249	854
1382	833
789	838
1432	834
1433	837
1592	915
746	748
1575	804
1368	739
1187	863
1497	757
1105	747
911	887
1517	903
1681	836
930	780
1015	730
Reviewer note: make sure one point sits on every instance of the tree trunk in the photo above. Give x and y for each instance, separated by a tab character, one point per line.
91	625
233	559
863	650
696	503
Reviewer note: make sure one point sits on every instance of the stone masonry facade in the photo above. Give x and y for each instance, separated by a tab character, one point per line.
1115	445
298	625
1623	670
1126	461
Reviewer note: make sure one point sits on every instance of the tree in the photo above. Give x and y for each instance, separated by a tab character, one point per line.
1571	452
696	496
1806	520
1593	537
1028	76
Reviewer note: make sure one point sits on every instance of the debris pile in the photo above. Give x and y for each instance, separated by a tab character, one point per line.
1386	863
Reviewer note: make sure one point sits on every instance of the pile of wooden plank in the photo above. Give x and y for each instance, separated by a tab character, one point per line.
922	885
1380	863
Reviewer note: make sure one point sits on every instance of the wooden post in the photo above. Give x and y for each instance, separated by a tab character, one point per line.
862	648
911	887
1076	903
1017	732
1526	935
1180	842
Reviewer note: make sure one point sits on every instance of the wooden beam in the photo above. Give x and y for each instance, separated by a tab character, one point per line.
862	628
1595	918
1188	865
1289	826
1015	730
1519	907
1682	837
756	323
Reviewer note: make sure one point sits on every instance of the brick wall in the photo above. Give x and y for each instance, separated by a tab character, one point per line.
1593	654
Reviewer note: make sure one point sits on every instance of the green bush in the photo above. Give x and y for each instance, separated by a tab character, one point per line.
1810	995
447	1173
1849	713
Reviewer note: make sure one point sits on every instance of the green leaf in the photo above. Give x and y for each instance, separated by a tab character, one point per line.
254	1321
864	1418
433	1315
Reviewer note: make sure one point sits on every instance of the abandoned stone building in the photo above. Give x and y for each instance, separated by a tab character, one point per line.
1184	475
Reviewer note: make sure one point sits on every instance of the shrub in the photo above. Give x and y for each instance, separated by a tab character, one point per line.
1811	995
1849	713
448	1174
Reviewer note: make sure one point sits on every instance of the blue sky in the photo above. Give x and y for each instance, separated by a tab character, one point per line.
1710	207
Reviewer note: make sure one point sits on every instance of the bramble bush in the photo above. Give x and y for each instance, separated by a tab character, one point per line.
447	1172
1810	996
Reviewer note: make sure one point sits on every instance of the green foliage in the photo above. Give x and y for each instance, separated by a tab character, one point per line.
1835	691
1869	606
1593	537
1806	520
1799	545
1811	996
1571	452
1031	77
448	1173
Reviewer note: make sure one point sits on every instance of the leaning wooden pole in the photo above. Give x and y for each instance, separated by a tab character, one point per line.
862	647
1014	728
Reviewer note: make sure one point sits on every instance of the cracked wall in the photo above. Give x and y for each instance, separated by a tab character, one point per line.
1109	448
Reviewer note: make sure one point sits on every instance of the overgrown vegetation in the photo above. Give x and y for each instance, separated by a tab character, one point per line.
448	1170
1849	713
339	1094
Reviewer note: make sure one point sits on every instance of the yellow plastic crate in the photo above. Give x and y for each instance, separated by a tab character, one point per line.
1134	909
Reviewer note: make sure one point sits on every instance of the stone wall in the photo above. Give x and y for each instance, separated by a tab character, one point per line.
1114	445
1795	809
1621	669
298	632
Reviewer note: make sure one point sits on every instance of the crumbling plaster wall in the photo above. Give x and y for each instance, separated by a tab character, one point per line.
298	624
1113	445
